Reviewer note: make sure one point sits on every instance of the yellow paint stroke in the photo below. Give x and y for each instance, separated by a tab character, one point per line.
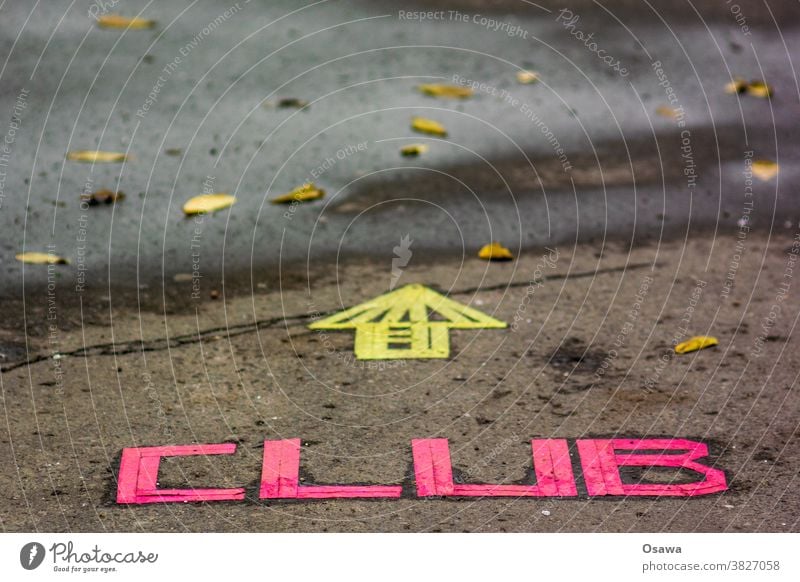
429	126
414	149
119	21
208	203
42	259
764	169
696	343
305	193
93	156
412	322
495	252
445	91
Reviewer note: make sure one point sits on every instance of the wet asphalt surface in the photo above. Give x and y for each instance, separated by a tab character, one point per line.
195	86
581	161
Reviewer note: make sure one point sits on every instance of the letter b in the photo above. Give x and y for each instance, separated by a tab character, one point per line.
601	462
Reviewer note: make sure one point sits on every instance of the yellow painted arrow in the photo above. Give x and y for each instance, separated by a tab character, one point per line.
411	322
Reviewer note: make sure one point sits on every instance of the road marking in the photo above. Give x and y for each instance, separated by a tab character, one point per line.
399	324
138	475
434	474
600	461
280	478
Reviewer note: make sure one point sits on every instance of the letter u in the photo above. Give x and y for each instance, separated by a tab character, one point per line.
434	473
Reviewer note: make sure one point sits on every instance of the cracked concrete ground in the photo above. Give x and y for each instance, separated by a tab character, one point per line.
153	378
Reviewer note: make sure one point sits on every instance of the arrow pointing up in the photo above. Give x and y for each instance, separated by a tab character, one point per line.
411	322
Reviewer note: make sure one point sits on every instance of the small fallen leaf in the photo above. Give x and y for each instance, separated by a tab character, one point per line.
665	111
495	252
291	102
737	85
208	203
759	89
414	149
42	259
755	88
429	126
527	77
693	344
119	21
765	169
305	193
96	156
173	151
103	197
287	103
445	91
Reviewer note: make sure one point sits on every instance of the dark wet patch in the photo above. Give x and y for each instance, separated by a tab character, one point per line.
765	454
572	388
574	357
11	351
497	394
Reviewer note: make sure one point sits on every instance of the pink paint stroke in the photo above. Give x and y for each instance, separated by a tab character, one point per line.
280	478
551	462
138	475
601	462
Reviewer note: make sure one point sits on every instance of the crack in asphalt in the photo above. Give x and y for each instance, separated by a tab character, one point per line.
216	333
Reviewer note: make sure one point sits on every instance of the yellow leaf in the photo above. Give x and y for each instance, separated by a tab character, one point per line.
764	169
759	89
423	125
665	111
42	259
118	21
445	91
495	252
414	149
305	193
696	343
95	156
208	203
738	85
527	77
753	88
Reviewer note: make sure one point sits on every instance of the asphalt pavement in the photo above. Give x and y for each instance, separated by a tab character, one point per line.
580	155
622	181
